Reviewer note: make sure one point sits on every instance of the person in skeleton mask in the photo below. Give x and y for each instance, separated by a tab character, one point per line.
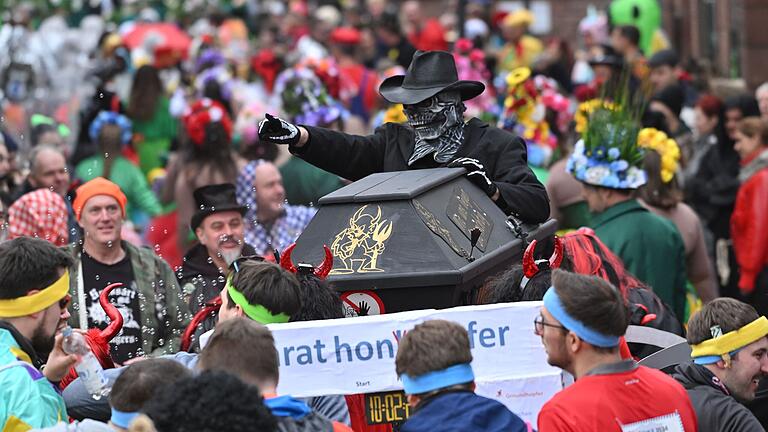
436	136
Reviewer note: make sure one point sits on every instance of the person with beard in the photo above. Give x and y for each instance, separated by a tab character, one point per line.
436	136
219	228
730	357
581	322
149	300
33	311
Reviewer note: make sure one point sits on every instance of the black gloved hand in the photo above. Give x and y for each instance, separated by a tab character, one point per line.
476	174
278	131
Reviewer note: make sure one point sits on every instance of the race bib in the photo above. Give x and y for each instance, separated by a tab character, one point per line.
667	423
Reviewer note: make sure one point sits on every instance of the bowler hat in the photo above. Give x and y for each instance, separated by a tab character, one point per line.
214	199
430	73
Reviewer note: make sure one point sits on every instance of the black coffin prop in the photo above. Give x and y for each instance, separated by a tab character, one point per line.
406	236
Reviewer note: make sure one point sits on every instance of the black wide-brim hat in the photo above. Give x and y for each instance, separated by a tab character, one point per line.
214	199
429	73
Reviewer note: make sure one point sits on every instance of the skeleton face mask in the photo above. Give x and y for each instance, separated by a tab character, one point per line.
433	117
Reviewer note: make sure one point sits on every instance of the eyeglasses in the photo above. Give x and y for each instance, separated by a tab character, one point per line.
64	302
538	325
236	264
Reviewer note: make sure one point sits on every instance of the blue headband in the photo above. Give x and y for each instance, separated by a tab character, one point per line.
122	419
555	307
705	360
457	374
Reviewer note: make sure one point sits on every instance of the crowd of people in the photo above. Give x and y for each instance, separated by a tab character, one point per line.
181	158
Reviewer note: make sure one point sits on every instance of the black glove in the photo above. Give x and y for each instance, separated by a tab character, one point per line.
476	174
278	131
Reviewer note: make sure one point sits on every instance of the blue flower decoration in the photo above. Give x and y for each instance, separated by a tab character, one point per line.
613	153
111	117
600	168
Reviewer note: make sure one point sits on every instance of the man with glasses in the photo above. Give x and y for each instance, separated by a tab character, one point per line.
34	286
436	136
580	324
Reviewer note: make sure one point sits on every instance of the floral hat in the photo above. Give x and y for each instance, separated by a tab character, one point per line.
525	112
666	147
305	98
111	117
202	113
608	155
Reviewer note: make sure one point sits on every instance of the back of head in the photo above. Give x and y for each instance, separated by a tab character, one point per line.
656	192
255	361
586	254
672	96
318	300
29	264
210	402
140	381
145	91
432	346
512	286
727	313
268	285
592	301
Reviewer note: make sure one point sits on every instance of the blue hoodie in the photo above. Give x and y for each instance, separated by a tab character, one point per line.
463	411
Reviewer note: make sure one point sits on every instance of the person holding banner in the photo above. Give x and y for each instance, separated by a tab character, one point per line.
433	362
580	325
730	357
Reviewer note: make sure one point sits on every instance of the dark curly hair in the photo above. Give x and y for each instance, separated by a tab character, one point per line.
211	401
318	300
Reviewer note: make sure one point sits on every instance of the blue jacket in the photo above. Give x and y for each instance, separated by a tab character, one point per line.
463	411
27	399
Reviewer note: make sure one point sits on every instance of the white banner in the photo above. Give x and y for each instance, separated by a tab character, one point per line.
357	355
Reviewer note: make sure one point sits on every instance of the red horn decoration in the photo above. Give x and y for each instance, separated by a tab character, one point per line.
201	315
529	264
323	269
286	261
557	255
98	340
116	318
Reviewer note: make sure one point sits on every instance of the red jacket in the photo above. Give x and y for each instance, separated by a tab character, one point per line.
749	229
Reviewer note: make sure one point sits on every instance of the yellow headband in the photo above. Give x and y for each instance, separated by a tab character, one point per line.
733	340
29	304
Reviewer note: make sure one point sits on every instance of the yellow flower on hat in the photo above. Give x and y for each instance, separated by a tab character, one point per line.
518	17
666	147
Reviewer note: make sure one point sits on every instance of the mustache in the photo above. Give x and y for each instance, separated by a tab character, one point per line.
225	238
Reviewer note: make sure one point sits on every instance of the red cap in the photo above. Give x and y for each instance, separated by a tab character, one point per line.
346	35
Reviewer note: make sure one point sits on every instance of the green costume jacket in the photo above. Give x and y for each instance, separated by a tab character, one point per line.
650	247
159	296
27	399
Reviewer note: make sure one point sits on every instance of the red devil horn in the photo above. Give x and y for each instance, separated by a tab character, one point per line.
286	261
201	315
323	269
529	264
557	255
114	315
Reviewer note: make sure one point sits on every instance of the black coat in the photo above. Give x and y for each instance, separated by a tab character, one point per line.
716	410
389	148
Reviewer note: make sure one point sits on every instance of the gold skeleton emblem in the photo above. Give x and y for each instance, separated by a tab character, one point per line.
361	242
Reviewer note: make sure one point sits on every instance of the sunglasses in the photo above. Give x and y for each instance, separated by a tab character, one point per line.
236	264
64	302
